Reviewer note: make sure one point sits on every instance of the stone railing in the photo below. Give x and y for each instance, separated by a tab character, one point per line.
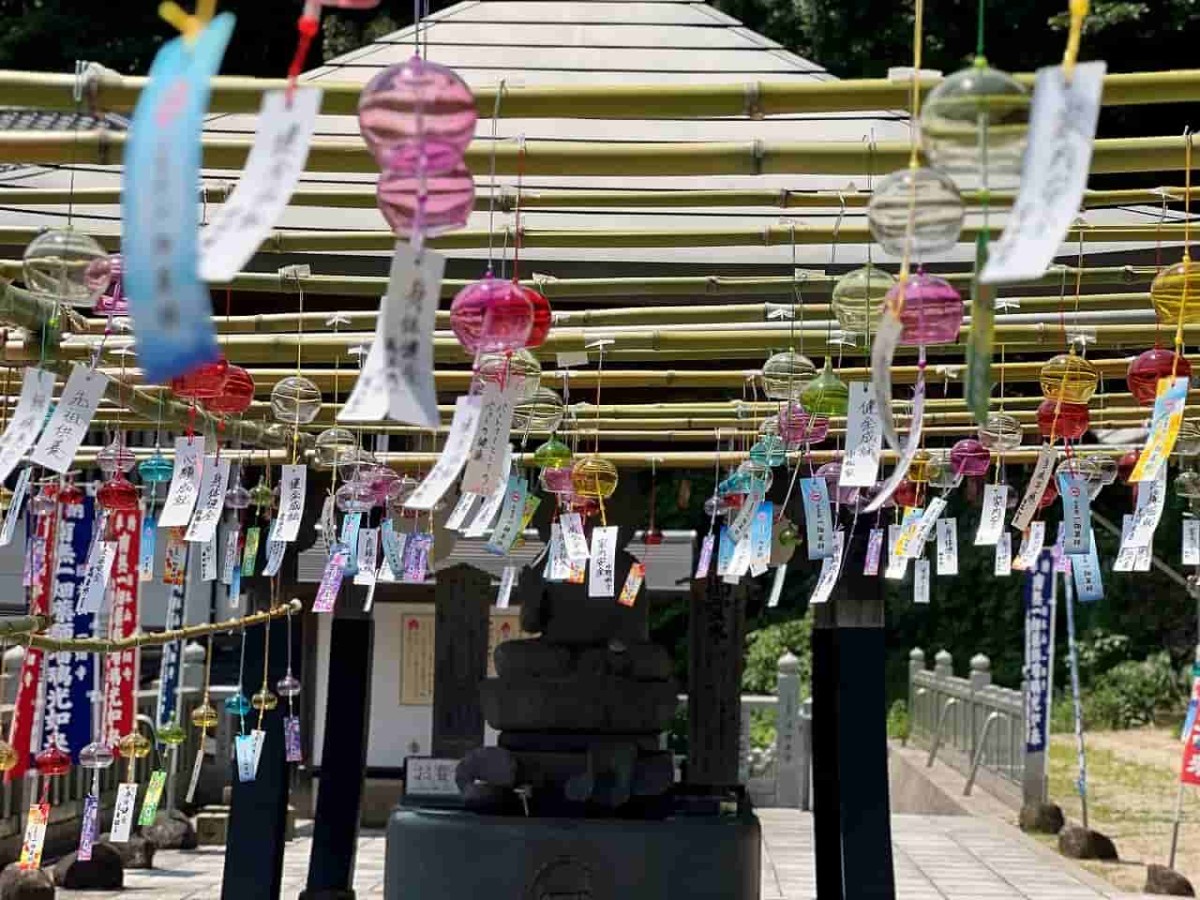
968	723
779	775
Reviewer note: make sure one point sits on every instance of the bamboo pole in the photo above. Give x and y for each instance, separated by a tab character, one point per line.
158	638
543	157
695	314
700	460
731	288
693	342
110	91
506	199
458	381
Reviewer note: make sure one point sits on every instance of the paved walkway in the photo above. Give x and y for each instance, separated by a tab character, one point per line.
936	857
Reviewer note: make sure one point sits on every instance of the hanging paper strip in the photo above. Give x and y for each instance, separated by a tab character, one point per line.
864	438
882	351
293	480
170	306
64	432
1169	405
168	684
67	708
1077	513
275	164
41	587
396	380
1062	127
452	459
121	669
947	547
37	390
910	449
1043	471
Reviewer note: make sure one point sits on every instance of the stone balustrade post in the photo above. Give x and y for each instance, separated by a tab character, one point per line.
787	731
980	677
943	664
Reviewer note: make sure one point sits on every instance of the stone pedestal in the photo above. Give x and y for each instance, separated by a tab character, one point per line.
455	855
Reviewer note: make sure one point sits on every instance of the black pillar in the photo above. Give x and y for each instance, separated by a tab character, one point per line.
258	809
344	752
827	828
461	603
716	657
850	736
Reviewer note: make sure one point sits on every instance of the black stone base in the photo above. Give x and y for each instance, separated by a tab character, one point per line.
452	855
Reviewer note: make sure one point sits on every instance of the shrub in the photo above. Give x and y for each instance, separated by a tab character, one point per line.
1134	693
897	721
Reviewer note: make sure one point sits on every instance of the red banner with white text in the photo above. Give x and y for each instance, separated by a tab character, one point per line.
41	586
120	669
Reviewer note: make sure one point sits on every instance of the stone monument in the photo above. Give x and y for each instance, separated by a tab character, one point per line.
578	800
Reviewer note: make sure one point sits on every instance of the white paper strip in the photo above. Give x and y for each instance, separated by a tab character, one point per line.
396	379
490	507
947	547
276	550
368	553
208	559
211	499
452	459
991	517
831	568
1003	555
65	431
185	483
1038	481
293	483
573	538
911	447
122	822
864	439
15	507
1191	542
95	579
276	162
1062	128
1152	496
921	581
508	578
37	390
602	562
462	509
1031	546
494	423
777	585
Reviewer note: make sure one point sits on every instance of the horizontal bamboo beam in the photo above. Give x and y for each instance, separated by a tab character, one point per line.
692	314
158	638
418	462
557	290
110	91
543	157
507	200
696	342
583	238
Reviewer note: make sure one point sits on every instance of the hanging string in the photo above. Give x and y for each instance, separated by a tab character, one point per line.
266	688
492	177
1187	260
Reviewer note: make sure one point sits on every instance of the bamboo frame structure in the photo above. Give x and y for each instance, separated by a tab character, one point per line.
103	147
110	91
158	638
506	200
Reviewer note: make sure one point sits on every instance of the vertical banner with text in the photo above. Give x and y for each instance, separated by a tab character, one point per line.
121	669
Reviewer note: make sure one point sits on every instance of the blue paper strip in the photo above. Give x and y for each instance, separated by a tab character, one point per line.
818	520
1086	571
169	304
1077	513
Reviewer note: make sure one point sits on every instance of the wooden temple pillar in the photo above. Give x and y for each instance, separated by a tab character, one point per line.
344	751
716	658
852	830
462	600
